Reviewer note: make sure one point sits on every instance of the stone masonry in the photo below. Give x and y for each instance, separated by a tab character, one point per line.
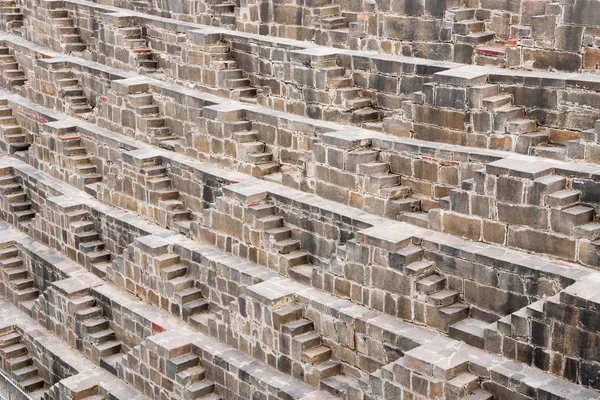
308	200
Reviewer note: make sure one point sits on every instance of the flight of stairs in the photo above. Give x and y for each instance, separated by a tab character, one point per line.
19	365
277	238
307	346
11	16
228	76
16	142
327	15
18	286
141	55
150	122
67	31
79	162
12	75
357	107
467	26
176	215
381	182
251	150
223	12
20	211
181	287
90	249
71	91
187	368
106	349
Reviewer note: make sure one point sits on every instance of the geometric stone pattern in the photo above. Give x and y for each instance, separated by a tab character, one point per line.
255	200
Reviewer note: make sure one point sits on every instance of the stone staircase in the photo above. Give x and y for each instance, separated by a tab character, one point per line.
357	108
459	383
102	345
18	286
90	249
175	214
20	211
71	91
307	346
12	75
15	141
149	121
11	16
67	31
277	238
188	370
19	365
187	300
250	150
467	26
568	214
228	76
140	55
79	162
327	15
379	181
223	13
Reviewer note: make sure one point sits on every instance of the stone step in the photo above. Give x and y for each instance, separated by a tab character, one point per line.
9	339
259	158
199	389
452	314
443	298
96	325
384	180
420	219
494	102
195	307
180	283
33	384
15	273
88	314
554	153
17	363
246	136
460	14
99	256
269	223
21	284
470	331
181	363
373	168
14	350
316	355
520	126
338	385
304	342
173	271
187	295
431	284
279	234
293	259
395	192
302	273
298	327
9	252
475	38
466	27
13	262
102	336
107	348
461	385
286	246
